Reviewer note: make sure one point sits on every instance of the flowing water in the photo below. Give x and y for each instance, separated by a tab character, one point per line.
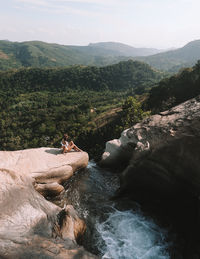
115	229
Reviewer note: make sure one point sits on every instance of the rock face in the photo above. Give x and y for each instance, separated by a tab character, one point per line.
161	153
161	159
31	226
47	166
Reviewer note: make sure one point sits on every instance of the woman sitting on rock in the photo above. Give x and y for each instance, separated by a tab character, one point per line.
68	146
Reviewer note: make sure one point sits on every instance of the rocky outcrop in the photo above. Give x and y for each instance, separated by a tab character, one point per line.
161	170
47	166
31	226
161	153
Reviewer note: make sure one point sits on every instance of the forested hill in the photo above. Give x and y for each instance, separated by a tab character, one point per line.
41	54
174	90
122	76
38	105
173	60
120	49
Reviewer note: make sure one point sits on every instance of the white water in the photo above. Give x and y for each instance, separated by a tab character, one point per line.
123	234
128	235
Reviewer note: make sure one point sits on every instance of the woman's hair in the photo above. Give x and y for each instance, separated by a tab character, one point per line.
65	136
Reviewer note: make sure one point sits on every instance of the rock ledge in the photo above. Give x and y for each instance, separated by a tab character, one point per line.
48	167
161	153
31	226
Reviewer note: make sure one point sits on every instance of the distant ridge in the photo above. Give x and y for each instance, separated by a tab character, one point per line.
41	54
173	60
121	49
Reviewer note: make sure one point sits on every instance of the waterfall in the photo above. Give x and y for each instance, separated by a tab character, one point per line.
129	235
114	230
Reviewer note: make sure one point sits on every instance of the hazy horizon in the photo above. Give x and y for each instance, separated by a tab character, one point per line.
33	40
138	23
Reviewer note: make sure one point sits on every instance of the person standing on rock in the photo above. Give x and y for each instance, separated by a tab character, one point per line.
68	146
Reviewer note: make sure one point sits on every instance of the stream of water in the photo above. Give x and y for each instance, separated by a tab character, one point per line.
115	229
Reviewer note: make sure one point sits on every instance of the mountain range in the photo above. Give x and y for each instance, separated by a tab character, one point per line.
173	60
41	54
120	49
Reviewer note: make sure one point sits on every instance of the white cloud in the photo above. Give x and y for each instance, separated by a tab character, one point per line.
59	6
99	2
58	3
153	23
33	2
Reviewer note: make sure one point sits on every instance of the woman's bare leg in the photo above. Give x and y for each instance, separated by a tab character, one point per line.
73	146
64	149
76	148
70	147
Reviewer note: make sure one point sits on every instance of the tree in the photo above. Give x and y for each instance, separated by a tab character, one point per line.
132	112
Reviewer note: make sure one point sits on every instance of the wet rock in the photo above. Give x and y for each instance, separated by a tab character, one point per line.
49	189
32	227
72	227
161	169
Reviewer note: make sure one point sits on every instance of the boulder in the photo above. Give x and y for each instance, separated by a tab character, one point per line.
161	154
47	166
161	170
32	227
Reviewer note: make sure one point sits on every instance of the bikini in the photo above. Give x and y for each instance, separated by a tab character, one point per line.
65	145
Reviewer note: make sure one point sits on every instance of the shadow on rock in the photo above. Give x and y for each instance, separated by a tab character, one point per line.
54	151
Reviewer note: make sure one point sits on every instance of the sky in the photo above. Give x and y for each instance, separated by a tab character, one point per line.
140	23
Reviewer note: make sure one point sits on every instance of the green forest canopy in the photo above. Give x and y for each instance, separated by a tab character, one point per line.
92	104
38	105
42	54
174	90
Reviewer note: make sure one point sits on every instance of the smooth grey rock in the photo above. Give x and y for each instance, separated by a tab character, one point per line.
161	153
47	166
32	227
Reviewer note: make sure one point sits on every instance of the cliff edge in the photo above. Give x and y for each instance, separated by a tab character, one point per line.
161	154
31	226
48	167
160	165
